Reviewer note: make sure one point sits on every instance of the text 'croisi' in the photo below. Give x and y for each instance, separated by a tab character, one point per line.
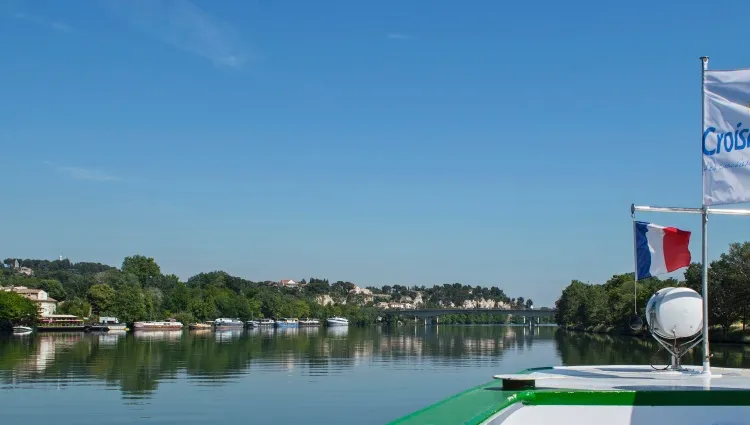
716	142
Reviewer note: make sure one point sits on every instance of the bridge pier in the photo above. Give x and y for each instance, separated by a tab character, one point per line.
533	322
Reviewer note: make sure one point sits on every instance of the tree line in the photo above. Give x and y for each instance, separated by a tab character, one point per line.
610	305
138	290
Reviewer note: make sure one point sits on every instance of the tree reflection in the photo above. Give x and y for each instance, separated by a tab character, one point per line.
579	348
138	362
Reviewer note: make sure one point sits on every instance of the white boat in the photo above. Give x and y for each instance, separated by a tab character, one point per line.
266	322
109	324
287	323
253	323
309	322
22	330
199	326
157	325
225	323
337	321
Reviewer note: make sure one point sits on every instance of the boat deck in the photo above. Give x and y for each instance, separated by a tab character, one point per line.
635	378
590	385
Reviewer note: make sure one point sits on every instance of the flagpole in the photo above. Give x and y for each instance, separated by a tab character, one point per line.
704	233
635	261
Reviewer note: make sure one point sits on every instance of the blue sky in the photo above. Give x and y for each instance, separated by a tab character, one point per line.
391	142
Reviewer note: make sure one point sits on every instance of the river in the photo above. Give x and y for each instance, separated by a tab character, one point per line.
327	376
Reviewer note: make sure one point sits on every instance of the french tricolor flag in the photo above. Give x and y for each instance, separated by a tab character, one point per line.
660	249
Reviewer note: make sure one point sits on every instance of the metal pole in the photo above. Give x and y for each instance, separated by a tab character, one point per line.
719	211
635	262
704	286
667	209
704	233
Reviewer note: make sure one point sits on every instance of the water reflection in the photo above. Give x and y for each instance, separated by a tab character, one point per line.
158	335
575	348
227	335
137	363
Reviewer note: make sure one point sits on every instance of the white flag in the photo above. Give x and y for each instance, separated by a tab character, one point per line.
726	137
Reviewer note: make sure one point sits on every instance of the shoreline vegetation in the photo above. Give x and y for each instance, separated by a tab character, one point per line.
607	308
139	291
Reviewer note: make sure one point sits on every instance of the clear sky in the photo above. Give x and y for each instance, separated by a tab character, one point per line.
388	142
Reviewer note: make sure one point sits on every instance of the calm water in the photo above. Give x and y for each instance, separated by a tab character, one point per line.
325	376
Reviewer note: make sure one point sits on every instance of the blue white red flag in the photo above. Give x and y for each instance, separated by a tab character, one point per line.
660	249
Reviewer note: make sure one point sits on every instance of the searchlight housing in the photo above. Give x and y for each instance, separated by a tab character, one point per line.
675	320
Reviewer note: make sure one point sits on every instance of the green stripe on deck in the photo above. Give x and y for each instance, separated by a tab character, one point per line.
475	405
636	398
470	407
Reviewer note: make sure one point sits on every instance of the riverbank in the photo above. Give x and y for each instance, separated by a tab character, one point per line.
715	335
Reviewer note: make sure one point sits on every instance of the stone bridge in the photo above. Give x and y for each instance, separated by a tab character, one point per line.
430	314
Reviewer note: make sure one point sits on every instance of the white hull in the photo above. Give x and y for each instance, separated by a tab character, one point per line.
337	321
287	323
157	326
223	323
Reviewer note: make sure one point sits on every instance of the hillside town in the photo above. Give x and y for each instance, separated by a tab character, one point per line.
374	296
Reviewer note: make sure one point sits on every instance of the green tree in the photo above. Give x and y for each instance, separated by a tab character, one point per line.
130	305
342	289
724	306
165	283
594	306
318	287
254	307
737	263
77	307
116	278
75	285
16	309
144	268
570	305
102	298
179	299
202	309
154	299
54	288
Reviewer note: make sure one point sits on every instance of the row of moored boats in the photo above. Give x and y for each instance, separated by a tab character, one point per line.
287	322
105	324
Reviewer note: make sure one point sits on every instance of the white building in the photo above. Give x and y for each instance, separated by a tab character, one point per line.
23	270
45	304
288	283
